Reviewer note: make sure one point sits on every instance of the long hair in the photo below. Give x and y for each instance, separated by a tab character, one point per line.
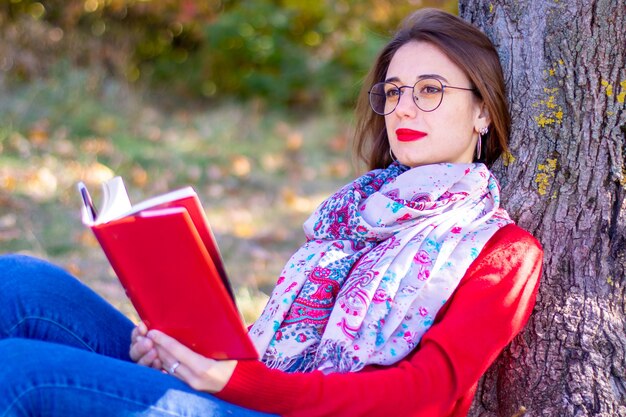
470	50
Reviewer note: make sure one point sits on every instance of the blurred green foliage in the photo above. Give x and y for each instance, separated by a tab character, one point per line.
302	53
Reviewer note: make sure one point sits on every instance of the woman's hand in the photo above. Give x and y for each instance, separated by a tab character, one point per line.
199	372
142	348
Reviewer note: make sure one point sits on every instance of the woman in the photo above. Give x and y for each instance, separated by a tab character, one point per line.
412	280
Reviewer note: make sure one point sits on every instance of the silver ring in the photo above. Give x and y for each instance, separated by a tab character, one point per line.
174	367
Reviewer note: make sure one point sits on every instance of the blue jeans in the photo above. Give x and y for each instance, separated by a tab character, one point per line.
64	352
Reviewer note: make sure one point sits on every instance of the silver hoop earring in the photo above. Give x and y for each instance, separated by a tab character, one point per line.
391	155
479	144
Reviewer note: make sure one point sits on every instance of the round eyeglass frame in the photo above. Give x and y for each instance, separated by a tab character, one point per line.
400	89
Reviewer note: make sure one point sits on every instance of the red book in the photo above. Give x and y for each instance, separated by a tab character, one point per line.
167	260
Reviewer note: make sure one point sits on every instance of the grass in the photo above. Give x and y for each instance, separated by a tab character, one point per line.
258	173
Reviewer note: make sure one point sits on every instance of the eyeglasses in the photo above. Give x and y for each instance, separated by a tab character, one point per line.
427	95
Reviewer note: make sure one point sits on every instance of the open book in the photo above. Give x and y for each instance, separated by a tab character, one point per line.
167	260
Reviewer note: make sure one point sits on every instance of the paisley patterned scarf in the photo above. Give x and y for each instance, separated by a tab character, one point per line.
382	256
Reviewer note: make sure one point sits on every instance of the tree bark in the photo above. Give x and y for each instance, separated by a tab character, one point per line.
565	66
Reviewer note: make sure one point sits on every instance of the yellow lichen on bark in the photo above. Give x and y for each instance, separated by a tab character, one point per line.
552	113
622	94
608	87
545	175
507	158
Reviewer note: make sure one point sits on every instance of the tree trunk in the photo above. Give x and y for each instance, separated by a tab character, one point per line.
565	66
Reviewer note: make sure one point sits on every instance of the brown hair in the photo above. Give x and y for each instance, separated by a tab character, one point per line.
464	45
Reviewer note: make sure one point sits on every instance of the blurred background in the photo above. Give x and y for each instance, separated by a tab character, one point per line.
250	102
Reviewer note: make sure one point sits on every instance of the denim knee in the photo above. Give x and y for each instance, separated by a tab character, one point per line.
39	300
19	363
46	378
31	371
17	266
15	355
30	277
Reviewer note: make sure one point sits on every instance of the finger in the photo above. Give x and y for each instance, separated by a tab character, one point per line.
199	372
173	366
172	352
173	347
157	364
148	358
139	330
210	376
180	370
140	347
167	359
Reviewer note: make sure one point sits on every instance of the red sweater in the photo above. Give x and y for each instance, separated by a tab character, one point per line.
489	307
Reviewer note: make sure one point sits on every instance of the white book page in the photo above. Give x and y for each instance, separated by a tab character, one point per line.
116	203
161	199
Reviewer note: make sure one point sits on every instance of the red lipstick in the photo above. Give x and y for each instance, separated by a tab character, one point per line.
409	135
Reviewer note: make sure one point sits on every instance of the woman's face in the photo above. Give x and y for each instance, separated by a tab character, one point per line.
447	134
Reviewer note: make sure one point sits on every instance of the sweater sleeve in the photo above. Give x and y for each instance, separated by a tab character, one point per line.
489	307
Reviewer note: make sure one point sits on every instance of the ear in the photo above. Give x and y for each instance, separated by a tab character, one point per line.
482	118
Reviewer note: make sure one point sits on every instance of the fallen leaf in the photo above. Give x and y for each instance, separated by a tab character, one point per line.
241	166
